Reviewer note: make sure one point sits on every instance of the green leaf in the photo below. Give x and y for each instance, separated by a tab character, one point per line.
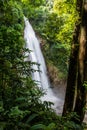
16	112
31	118
38	127
51	126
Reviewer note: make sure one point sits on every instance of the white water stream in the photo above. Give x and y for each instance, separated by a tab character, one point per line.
35	55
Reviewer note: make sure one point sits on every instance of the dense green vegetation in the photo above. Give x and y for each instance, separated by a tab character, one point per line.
54	22
20	104
50	26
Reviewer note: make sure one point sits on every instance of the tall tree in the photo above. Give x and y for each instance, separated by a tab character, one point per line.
72	73
77	67
82	65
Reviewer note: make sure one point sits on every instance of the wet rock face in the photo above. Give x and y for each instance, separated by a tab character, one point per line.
58	86
54	76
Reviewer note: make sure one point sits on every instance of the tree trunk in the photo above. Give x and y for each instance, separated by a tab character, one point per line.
82	66
71	81
72	73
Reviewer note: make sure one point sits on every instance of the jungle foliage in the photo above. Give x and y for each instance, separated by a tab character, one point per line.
54	22
19	95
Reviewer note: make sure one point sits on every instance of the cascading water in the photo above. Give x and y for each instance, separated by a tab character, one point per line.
36	56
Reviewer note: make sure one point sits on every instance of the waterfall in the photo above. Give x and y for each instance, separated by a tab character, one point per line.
35	55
